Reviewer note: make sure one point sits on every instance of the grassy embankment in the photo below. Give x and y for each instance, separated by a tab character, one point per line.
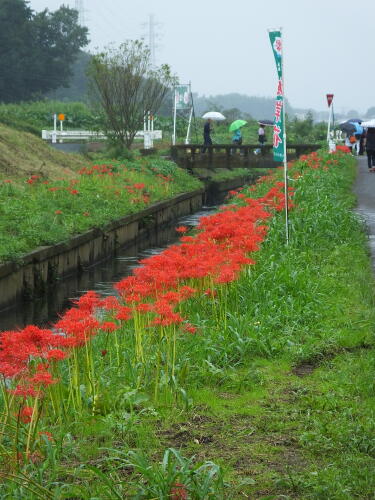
47	196
276	386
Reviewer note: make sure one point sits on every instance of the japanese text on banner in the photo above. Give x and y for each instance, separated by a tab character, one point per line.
278	127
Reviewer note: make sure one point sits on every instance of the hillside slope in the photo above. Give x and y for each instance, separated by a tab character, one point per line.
22	154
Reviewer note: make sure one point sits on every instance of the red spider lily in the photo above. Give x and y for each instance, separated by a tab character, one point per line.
108	326
26	414
42	376
140	185
58	212
109	303
182	229
56	355
47	434
124	313
190	328
24	392
343	149
89	301
167	320
178	492
144	308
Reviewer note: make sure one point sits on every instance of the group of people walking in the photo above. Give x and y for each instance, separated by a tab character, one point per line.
359	143
236	137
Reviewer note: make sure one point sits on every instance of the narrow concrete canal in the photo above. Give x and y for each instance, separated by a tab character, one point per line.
101	277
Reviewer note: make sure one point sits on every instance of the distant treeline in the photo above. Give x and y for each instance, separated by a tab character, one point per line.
233	104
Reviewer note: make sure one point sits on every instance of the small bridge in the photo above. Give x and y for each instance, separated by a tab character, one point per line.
232	156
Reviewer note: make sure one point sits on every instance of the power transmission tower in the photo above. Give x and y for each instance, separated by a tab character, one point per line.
152	36
151	39
79	6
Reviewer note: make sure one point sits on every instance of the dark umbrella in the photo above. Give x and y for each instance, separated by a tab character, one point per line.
265	122
354	120
348	127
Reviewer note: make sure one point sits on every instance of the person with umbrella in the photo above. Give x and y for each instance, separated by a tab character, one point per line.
262	134
370	148
353	132
235	127
207	129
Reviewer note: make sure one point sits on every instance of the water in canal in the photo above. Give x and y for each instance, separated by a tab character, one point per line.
101	277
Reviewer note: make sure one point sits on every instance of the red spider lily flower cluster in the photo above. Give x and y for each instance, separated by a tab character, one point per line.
197	265
218	252
342	149
178	492
97	170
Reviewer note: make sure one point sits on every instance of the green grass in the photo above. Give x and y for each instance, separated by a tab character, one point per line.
279	393
42	212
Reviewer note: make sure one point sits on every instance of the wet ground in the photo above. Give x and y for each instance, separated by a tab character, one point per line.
365	191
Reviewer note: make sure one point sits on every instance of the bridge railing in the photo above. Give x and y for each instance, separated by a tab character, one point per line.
224	155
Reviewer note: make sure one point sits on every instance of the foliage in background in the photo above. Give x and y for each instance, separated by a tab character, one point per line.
35	116
38	115
125	86
38	49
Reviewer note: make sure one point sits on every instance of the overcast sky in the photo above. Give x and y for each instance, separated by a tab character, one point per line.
223	46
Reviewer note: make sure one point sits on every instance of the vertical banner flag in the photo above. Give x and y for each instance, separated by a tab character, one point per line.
182	102
278	122
182	96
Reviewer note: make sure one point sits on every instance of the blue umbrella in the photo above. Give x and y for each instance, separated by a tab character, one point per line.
358	128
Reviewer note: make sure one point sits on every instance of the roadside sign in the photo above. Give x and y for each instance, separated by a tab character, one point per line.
61	117
329	99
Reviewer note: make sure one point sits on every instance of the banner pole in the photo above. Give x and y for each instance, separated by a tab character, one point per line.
187	140
279	123
286	184
174	118
329	122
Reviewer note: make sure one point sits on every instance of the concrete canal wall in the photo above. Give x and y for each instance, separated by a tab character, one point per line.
40	271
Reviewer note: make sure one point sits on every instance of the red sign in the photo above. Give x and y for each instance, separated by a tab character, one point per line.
329	99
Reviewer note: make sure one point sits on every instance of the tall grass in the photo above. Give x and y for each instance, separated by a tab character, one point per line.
307	301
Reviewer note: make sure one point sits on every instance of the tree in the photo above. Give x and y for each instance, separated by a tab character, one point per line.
125	86
37	50
370	113
232	114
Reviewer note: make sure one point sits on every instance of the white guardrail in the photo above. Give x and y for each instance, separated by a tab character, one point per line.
58	135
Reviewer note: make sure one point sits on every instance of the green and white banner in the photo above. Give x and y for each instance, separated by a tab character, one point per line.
182	97
278	122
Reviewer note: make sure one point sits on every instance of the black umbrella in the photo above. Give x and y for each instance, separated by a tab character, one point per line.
266	122
348	127
356	120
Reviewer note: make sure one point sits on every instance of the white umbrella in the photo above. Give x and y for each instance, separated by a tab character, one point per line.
369	123
214	115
